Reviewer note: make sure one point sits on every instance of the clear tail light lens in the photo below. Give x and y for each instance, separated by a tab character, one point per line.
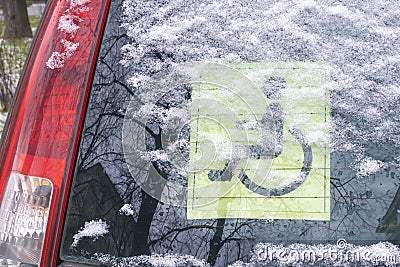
23	217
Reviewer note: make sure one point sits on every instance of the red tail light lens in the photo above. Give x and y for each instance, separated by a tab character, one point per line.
39	142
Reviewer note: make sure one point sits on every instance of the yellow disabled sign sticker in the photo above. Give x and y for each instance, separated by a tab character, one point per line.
259	141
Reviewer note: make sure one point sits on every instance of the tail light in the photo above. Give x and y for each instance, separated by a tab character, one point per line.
40	139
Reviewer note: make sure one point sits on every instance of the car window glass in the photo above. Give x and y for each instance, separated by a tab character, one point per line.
215	126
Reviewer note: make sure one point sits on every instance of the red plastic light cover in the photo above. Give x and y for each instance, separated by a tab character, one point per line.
43	128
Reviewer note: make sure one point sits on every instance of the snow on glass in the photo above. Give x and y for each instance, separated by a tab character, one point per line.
68	24
358	40
127	209
154	260
93	229
268	254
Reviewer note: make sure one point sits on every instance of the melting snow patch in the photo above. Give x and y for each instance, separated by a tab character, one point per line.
343	11
69	47
136	80
369	166
241	264
68	23
75	3
155	260
56	61
93	229
156	155
127	210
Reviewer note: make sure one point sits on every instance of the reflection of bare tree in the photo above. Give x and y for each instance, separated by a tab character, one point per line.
95	197
207	238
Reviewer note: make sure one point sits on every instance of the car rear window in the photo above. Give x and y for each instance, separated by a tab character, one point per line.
226	132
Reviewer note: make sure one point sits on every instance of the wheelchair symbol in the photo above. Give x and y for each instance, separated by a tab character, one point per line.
198	130
272	88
